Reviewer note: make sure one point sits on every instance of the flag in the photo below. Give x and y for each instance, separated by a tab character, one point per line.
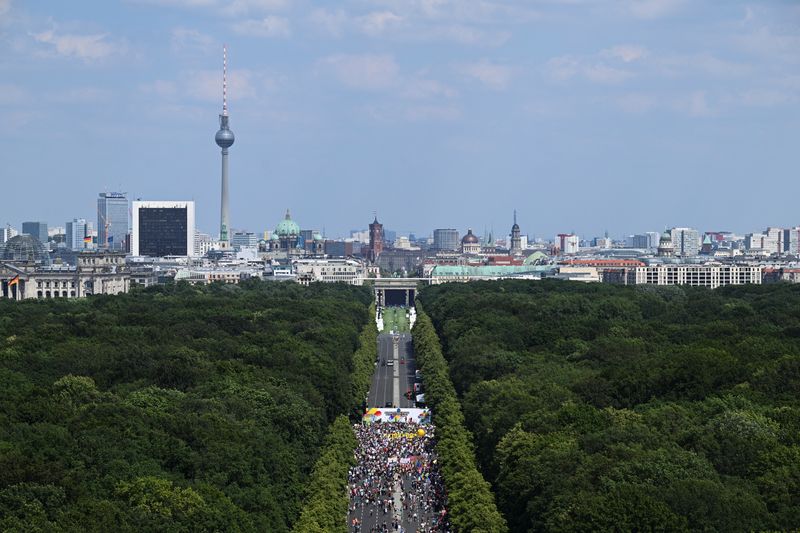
87	239
14	281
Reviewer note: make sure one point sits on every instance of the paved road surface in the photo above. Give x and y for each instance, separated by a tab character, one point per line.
390	383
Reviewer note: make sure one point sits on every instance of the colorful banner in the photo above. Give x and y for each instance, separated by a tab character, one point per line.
396	414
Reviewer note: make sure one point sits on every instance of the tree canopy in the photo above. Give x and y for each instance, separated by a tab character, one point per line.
173	408
597	407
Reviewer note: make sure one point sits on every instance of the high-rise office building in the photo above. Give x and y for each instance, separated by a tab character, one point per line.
242	239
446	239
112	221
76	234
36	229
644	241
791	240
163	228
685	241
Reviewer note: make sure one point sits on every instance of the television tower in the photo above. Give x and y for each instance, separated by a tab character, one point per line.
224	139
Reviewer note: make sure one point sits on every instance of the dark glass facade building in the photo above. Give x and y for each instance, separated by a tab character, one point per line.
162	231
163	228
36	229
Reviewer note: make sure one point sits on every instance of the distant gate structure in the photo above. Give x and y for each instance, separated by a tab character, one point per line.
397	291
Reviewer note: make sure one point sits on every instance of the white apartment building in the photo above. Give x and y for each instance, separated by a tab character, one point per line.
203	243
711	276
568	243
768	242
329	271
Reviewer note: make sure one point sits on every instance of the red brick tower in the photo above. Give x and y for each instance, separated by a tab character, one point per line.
375	240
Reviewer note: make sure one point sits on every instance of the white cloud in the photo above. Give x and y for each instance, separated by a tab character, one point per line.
161	88
186	39
270	26
771	45
188	4
423	89
699	64
417	20
471	11
206	85
494	76
231	8
565	68
601	73
86	47
463	34
378	22
432	112
366	72
653	9
402	112
626	52
332	22
243	7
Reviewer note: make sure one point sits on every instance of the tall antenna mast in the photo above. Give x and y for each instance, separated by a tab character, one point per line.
224	80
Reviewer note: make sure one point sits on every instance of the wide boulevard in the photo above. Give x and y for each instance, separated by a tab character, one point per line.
396	485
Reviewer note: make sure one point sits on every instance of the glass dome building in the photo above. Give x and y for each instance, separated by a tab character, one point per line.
25	248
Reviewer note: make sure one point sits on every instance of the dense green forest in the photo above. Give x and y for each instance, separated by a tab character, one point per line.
173	408
599	408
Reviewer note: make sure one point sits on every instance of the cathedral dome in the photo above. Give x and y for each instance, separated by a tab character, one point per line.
470	238
287	227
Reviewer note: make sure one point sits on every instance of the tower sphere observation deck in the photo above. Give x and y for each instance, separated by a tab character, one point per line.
224	136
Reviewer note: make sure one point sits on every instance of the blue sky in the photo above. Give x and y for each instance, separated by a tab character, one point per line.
584	115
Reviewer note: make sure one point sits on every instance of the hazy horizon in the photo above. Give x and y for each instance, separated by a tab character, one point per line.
584	116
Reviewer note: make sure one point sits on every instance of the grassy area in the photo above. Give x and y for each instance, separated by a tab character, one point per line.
394	319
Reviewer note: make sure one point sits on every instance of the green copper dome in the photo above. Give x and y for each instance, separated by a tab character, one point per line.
287	227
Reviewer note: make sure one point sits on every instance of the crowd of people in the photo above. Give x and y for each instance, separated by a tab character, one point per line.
395	485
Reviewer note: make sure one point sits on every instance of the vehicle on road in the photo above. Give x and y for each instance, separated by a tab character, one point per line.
391	362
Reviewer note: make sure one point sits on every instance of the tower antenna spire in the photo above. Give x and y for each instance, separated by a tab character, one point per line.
225	80
224	139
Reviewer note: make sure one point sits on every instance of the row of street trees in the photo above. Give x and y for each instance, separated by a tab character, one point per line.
470	500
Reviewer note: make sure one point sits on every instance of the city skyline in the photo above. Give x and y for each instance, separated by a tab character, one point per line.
580	123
